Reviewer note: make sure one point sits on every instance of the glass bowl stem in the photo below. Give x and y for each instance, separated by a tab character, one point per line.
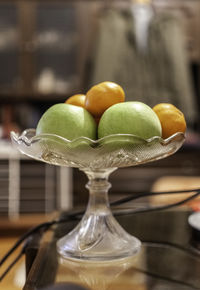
98	236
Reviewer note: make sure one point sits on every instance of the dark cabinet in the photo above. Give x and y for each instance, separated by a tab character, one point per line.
9	48
44	45
38	49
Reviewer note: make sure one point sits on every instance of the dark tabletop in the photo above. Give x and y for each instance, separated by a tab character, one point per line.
169	257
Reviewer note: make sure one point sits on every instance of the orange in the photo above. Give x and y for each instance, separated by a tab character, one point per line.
103	95
76	100
171	118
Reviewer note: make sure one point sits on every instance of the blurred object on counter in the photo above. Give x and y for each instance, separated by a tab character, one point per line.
17	118
192	139
48	82
170	183
8	123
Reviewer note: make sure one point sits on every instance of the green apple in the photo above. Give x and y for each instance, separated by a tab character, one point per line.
67	121
134	118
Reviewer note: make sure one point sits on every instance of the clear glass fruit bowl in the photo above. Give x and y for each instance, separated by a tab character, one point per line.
98	236
114	151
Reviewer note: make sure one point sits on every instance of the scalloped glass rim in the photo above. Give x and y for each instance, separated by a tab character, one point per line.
119	150
29	137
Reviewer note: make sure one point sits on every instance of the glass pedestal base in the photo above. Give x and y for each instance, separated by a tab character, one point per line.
98	236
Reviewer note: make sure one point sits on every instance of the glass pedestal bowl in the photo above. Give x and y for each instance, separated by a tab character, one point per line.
98	236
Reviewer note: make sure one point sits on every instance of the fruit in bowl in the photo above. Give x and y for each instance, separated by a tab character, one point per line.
102	111
134	118
67	121
171	118
77	100
102	96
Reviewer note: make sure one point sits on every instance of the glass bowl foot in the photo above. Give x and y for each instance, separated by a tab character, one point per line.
98	237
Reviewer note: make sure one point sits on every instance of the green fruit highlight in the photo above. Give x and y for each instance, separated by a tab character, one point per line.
134	118
67	121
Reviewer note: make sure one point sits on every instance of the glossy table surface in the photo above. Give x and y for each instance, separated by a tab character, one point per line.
169	257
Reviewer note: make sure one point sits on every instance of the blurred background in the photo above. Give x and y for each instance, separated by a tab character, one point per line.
50	50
